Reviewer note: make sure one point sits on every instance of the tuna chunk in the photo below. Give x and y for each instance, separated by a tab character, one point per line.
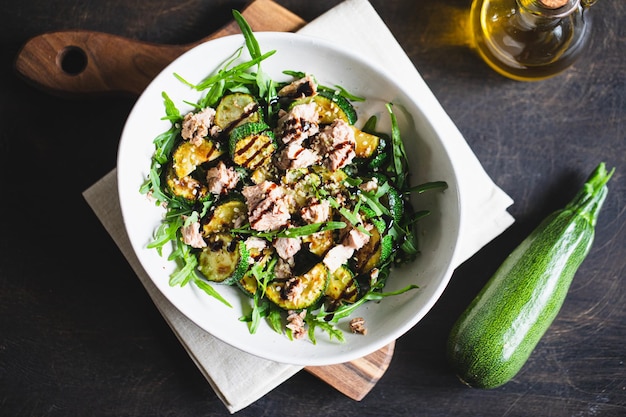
299	123
316	212
287	247
296	156
221	179
356	239
196	125
295	322
283	269
340	254
337	256
255	243
191	235
268	206
337	144
303	87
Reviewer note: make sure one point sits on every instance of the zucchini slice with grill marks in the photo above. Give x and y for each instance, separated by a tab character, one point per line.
301	291
252	145
367	144
248	283
342	287
369	256
236	109
330	106
187	156
224	216
340	106
265	172
185	187
319	243
224	259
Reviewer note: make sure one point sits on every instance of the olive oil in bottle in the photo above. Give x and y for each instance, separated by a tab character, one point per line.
530	40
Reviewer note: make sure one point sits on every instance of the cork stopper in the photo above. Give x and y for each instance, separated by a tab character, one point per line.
553	4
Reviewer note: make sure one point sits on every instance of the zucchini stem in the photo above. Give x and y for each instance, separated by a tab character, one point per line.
589	200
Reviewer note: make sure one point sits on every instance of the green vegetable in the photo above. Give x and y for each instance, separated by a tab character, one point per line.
342	287
225	215
301	291
236	109
252	145
186	187
188	156
367	144
495	335
330	106
224	259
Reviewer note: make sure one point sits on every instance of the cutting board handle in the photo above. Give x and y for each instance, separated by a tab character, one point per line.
78	63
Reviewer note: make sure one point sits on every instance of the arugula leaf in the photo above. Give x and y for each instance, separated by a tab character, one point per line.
400	162
305	230
373	294
207	288
314	322
263	273
251	42
171	112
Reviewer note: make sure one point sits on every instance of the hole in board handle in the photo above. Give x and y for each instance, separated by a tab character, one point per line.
72	60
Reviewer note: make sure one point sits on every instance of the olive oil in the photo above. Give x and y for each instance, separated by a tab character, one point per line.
530	40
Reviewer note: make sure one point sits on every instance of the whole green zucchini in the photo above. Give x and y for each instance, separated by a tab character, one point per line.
497	332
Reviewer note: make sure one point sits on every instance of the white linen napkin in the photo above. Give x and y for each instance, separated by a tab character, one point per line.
238	378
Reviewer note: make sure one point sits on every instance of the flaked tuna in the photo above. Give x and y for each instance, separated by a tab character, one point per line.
197	126
191	235
254	243
287	247
268	206
337	144
294	156
316	212
340	254
302	87
300	123
221	179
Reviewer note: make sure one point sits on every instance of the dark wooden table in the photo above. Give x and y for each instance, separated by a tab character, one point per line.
79	335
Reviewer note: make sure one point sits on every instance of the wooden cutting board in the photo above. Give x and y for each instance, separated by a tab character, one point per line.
79	63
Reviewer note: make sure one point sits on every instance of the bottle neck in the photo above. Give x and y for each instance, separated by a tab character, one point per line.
534	14
552	9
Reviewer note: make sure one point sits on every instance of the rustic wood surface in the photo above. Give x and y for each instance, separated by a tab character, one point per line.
79	336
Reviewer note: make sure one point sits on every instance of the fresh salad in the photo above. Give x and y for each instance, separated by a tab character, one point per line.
270	187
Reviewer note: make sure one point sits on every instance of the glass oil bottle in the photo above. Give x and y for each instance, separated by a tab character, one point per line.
529	40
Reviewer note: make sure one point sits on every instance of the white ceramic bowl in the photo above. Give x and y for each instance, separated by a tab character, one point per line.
438	233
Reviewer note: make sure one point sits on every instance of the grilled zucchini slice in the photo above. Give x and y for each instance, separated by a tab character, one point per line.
248	284
367	144
342	287
320	242
224	259
369	256
236	109
252	145
224	216
185	187
330	106
311	287
188	156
